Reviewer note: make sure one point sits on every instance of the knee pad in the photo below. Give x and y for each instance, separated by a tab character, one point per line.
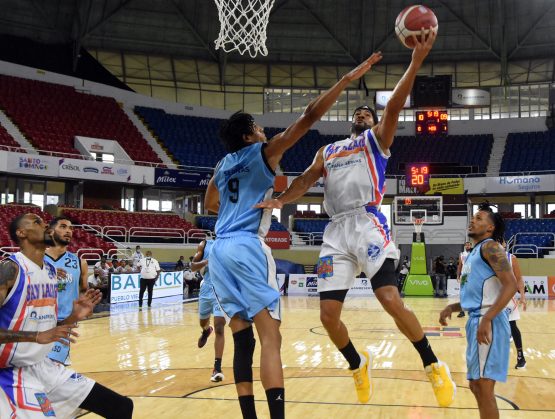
244	344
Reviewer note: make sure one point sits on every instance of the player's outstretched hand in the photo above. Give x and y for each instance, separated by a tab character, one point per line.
423	47
84	305
270	203
444	315
359	71
62	334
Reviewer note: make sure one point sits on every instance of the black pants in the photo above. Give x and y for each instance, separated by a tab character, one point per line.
144	284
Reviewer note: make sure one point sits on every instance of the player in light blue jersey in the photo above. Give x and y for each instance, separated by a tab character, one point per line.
72	275
242	266
208	305
487	285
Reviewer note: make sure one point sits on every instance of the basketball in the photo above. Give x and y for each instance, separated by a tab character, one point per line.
410	22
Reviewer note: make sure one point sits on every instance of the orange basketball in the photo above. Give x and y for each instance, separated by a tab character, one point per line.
410	22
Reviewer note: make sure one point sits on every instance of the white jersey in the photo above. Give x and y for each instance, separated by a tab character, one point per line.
354	173
30	306
463	256
149	267
514	313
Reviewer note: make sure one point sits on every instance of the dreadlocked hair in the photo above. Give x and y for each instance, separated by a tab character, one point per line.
233	129
498	223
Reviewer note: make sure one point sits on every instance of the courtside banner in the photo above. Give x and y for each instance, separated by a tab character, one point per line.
278	239
536	286
181	178
307	285
124	288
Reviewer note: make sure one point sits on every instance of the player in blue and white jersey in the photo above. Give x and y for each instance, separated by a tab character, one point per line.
35	385
242	266
487	285
358	238
72	273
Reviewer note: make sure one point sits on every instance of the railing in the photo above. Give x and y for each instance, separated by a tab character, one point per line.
310	239
90	254
529	248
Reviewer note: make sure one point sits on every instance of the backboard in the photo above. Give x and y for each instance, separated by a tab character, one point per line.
406	208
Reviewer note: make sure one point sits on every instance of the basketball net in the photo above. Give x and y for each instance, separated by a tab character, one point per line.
418	223
243	25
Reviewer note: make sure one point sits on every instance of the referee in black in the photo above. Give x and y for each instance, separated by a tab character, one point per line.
150	270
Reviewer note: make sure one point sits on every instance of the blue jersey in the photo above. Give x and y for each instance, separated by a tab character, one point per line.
68	271
207	282
243	179
480	287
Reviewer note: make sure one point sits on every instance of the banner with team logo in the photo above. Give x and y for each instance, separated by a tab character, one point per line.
124	288
184	179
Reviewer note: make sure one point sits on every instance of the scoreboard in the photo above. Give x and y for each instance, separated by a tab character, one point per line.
431	123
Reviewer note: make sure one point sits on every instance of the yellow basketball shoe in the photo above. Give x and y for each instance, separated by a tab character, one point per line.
442	383
363	381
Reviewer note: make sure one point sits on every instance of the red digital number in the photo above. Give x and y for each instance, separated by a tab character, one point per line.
424	170
443	116
420	117
408	201
432	128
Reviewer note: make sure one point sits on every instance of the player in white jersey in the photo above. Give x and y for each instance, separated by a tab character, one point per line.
514	312
462	257
358	237
35	385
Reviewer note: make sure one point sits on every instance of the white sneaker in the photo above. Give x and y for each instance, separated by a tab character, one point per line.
217	376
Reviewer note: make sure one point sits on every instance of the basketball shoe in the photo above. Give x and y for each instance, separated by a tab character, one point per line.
520	363
442	383
217	376
204	336
363	381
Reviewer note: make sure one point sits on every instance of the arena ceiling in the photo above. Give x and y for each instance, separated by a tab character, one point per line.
330	32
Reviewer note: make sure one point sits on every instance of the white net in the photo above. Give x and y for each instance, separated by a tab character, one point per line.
418	223
243	25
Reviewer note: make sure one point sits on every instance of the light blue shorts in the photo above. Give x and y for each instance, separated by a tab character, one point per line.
488	361
60	353
207	303
243	275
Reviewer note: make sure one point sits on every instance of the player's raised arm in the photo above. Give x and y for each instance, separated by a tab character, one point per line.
300	184
283	141
385	129
496	257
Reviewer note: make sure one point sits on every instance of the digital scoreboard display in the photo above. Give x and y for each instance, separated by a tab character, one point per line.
418	175
431	123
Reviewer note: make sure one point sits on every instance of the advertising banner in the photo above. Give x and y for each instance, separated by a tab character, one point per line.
307	285
29	164
468	98
278	239
124	288
383	96
551	284
536	286
453	287
446	186
531	183
94	170
186	179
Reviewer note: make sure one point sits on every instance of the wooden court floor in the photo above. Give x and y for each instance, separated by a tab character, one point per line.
152	356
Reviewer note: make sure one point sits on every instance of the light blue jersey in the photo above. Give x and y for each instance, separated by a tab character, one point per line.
68	269
480	287
243	179
68	272
241	264
207	303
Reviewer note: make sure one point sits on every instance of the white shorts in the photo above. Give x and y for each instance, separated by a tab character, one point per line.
46	389
514	312
354	242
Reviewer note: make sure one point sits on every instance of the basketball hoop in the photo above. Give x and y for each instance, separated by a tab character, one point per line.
243	25
418	223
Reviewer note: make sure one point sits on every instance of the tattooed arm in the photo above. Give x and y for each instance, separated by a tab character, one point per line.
494	254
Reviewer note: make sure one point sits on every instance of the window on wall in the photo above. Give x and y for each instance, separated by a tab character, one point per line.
475	209
550	208
302	207
317	208
521	209
276	212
